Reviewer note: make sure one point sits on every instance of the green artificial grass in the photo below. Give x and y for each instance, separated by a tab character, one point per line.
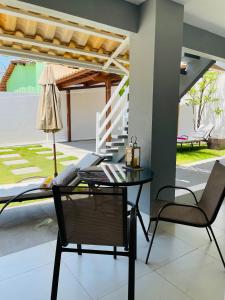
34	160
195	154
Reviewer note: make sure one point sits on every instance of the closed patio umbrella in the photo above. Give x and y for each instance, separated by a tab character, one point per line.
49	109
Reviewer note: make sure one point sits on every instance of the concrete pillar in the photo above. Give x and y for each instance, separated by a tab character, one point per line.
154	90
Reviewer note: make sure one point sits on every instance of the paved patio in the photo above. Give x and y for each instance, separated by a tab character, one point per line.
180	255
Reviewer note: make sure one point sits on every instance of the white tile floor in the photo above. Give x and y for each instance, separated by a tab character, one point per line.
184	265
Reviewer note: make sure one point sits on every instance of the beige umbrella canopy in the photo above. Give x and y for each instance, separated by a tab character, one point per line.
49	110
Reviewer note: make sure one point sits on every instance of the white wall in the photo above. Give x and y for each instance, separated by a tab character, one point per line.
18	116
185	121
185	125
84	105
17	119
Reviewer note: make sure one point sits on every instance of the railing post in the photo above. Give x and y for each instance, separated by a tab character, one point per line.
104	118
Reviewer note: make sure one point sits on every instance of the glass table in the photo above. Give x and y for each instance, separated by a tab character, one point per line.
116	175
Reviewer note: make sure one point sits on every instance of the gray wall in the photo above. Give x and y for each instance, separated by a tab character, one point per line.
204	42
154	89
117	13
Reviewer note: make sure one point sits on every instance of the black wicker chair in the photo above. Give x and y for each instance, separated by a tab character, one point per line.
202	214
94	216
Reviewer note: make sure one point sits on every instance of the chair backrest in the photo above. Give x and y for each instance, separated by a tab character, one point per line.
90	159
214	192
69	175
95	216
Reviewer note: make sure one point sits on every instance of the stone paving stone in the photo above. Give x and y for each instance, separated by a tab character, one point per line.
68	162
26	170
35	148
6	150
58	156
9	155
15	162
44	152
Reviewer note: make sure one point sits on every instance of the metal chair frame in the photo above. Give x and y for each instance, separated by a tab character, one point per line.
129	241
207	225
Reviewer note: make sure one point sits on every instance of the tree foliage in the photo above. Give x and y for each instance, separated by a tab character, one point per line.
201	95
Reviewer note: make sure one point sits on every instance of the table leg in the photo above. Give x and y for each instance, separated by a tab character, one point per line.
139	214
142	225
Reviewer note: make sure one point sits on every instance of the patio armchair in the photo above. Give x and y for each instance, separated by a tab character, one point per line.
94	216
25	190
202	214
202	134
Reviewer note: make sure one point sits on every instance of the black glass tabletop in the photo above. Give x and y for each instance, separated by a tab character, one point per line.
115	175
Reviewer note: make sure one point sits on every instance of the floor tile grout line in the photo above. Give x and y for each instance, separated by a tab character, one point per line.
113	291
145	275
108	293
211	255
78	281
25	272
160	274
175	259
181	239
177	287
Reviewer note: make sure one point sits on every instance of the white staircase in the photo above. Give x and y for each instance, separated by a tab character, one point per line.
114	126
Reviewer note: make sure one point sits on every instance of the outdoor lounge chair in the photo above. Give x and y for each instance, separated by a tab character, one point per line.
202	214
28	190
94	216
201	135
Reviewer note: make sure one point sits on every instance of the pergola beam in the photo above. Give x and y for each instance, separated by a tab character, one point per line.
71	77
84	87
78	80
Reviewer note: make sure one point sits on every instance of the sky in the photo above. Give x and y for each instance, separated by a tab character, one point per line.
4	62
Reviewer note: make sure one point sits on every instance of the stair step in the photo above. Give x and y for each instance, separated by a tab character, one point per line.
120	136
107	156
115	143
110	150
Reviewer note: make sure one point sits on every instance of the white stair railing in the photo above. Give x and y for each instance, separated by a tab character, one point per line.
119	107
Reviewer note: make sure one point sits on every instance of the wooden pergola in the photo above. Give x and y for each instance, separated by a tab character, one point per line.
86	79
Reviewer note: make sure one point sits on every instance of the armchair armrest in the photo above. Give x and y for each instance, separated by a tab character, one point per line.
182	205
177	187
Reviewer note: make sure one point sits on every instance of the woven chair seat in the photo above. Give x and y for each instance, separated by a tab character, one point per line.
178	214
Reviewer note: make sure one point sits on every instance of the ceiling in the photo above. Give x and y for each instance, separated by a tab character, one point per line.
32	34
205	14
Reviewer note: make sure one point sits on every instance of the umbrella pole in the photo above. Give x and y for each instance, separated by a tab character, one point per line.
54	155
